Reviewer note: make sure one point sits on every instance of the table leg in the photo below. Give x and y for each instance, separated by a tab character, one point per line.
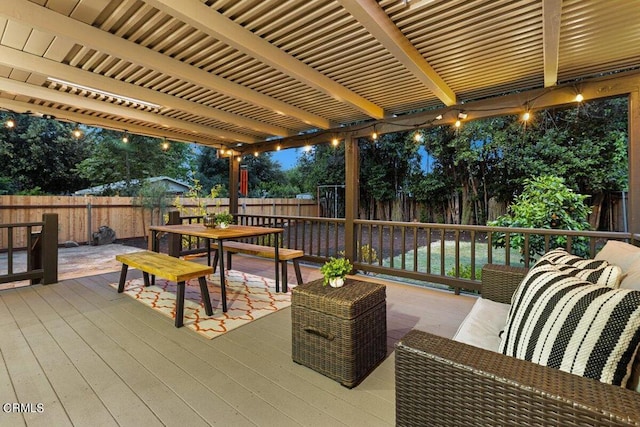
155	246
223	288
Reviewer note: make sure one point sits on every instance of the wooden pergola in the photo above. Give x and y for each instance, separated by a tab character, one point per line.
249	76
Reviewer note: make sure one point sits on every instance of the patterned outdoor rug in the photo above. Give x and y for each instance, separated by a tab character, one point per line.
249	297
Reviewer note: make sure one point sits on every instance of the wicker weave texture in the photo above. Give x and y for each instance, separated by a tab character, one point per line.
345	349
441	382
499	282
346	302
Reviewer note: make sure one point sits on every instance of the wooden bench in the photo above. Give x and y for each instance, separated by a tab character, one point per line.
170	268
284	255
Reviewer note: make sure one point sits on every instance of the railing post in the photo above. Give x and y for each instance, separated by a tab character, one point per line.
49	238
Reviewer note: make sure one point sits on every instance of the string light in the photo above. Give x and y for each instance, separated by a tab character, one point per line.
165	144
335	142
256	154
77	133
374	135
307	148
278	147
579	97
125	137
417	137
10	123
526	116
458	123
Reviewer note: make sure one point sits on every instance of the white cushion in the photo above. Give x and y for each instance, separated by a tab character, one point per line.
619	253
631	279
482	326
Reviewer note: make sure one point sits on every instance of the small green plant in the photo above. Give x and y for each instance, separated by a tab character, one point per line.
465	272
223	218
366	253
335	267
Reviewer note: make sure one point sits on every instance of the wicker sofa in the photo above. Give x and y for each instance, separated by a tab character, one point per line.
441	382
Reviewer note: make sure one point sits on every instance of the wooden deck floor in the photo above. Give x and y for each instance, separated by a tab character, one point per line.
77	353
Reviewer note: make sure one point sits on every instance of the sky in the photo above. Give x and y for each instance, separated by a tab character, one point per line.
287	158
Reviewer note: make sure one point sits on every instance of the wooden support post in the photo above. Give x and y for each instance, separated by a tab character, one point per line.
49	238
352	192
234	177
634	164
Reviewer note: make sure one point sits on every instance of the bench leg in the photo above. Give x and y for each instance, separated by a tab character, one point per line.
180	304
229	260
145	277
296	267
204	290
284	277
215	260
123	278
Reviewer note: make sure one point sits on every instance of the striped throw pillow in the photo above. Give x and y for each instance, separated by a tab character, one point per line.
566	323
560	256
598	272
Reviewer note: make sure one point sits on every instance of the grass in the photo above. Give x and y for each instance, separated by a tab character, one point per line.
481	258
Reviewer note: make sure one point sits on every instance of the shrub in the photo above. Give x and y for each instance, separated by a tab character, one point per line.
546	202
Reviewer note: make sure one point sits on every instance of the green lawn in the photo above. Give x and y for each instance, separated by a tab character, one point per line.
481	257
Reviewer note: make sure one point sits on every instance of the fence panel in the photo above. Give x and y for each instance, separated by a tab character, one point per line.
80	217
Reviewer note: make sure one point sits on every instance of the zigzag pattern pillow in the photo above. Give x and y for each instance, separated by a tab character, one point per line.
598	272
568	324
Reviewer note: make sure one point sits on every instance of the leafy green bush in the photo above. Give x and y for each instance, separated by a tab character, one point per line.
546	202
465	272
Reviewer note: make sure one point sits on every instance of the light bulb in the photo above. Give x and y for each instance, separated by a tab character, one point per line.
335	142
374	135
579	97
10	123
526	116
458	123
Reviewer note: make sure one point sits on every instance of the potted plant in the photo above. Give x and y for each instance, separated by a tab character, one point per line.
334	271
223	219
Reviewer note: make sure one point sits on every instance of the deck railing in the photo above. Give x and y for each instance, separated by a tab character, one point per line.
442	254
42	251
445	255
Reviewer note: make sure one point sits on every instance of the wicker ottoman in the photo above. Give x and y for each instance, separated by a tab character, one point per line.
339	332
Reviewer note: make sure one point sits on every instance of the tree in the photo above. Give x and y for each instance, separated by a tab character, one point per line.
386	165
41	154
112	160
546	202
212	171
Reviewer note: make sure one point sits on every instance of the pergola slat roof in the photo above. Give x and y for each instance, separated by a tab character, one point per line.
229	72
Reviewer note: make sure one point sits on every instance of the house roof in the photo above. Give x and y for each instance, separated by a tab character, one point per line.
235	73
173	186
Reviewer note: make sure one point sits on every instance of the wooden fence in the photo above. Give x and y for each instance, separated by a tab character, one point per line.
80	217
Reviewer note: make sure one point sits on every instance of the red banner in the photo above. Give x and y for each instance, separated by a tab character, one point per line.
244	182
